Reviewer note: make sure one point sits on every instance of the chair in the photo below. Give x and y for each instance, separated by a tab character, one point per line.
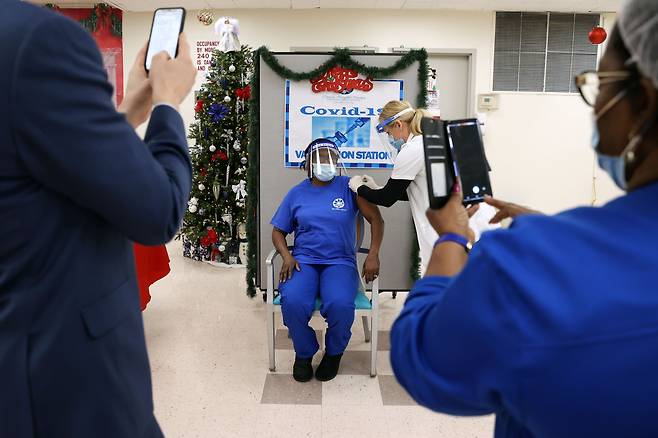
365	308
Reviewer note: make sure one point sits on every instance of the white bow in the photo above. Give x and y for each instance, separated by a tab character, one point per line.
240	190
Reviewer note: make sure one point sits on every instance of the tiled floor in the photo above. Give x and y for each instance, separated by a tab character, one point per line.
209	360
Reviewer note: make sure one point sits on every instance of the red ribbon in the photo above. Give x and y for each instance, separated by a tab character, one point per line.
219	155
199	106
244	93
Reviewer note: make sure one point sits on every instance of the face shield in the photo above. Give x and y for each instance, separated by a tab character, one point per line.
390	144
322	160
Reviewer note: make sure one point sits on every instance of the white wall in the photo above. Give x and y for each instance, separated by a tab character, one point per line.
538	144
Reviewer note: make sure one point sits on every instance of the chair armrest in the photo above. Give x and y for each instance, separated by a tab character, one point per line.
269	263
271	256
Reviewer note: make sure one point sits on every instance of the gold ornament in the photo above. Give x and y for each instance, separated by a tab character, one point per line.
206	16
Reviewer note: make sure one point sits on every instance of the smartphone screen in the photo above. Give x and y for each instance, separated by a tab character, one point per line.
471	163
167	25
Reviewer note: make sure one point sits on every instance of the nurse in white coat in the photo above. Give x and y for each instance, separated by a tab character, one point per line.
399	122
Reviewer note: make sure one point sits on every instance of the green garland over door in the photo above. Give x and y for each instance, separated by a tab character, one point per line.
341	57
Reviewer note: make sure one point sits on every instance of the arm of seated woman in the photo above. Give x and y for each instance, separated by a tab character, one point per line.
289	262
374	217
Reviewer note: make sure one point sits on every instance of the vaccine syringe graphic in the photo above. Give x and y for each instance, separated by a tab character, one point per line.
340	138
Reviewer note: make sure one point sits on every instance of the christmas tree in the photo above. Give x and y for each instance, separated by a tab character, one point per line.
214	225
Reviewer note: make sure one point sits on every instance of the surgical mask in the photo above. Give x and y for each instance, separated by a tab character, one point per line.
614	166
385	138
397	144
324	171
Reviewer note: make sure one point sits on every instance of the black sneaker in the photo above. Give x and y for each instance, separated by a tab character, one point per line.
328	367
302	371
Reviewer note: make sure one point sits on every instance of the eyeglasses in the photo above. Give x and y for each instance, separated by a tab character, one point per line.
589	82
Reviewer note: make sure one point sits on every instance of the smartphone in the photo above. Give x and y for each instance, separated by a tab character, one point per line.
471	165
439	165
167	25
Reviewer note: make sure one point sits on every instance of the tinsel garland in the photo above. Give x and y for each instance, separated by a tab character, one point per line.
342	57
252	174
414	269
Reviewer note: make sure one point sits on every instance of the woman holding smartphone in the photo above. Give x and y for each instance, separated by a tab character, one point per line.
399	127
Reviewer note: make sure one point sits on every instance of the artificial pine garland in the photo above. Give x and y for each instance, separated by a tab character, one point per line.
98	10
341	57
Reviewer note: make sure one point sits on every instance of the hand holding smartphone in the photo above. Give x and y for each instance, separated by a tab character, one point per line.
166	27
454	149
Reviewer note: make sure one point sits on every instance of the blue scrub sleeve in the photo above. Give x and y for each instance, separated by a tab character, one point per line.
452	345
283	219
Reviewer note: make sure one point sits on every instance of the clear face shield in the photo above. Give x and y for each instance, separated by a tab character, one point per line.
391	144
323	161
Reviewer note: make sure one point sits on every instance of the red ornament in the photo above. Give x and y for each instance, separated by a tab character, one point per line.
203	171
244	93
199	106
205	242
597	35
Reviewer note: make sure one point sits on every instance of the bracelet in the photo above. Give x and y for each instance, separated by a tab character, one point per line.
455	238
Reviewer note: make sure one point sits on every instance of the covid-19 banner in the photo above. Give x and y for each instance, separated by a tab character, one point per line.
341	106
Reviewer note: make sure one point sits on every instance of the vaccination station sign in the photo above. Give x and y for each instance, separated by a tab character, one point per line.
343	107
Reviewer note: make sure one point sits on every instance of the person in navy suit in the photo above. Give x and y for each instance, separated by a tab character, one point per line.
77	185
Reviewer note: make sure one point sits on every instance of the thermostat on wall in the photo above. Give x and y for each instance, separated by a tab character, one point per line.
488	102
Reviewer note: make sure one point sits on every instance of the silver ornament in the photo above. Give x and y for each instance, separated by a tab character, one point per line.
215	190
237	146
202	187
243	160
192	208
231	68
227	99
212	148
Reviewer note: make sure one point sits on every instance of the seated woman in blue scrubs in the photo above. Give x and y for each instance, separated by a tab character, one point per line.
553	324
321	211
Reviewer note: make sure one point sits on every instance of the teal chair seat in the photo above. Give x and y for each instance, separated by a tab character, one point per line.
361	302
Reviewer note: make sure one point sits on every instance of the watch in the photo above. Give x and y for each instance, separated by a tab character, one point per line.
455	238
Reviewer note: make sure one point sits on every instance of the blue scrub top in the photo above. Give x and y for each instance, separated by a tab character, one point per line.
552	326
323	219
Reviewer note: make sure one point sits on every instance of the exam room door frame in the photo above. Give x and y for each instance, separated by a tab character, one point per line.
471	56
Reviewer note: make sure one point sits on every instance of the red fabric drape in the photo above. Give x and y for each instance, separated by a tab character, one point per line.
152	262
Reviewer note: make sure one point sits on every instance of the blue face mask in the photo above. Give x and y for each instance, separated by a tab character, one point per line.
324	171
397	144
615	167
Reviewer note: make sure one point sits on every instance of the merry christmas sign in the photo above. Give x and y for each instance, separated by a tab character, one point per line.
343	106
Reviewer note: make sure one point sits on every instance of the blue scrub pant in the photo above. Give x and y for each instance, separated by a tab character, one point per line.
337	286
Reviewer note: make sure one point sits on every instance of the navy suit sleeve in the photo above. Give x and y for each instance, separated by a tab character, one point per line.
452	345
72	140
